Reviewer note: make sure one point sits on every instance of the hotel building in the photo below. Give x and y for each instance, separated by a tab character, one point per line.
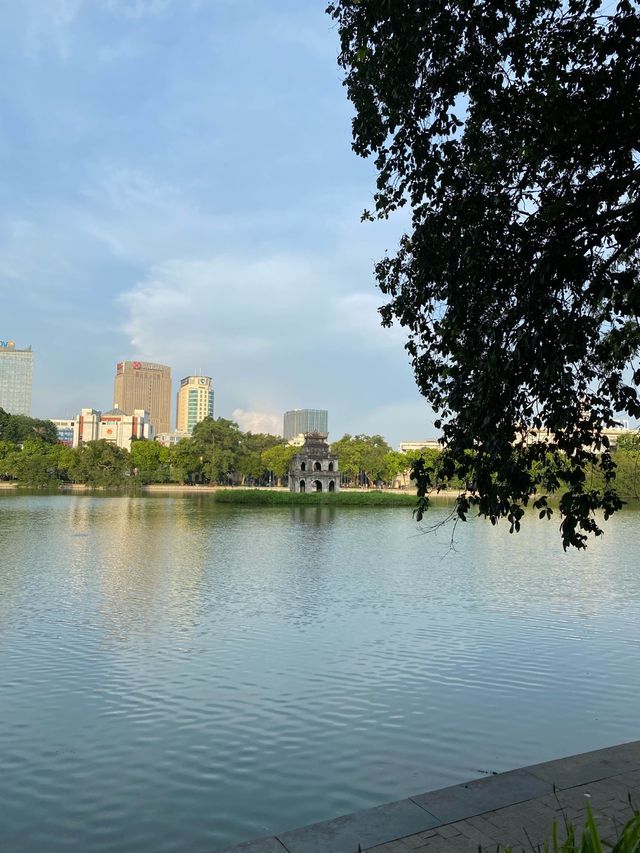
16	371
144	385
195	402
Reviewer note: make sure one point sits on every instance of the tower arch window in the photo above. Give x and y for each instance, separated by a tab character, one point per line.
303	466
332	485
317	466
318	486
330	466
303	486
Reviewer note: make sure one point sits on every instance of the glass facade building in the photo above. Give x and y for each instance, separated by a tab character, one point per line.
303	421
195	402
16	372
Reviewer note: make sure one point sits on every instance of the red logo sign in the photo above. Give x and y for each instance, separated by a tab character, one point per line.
136	365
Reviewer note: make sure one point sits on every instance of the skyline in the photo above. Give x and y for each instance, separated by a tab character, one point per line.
181	189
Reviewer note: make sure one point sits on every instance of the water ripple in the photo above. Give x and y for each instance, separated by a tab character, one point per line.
177	675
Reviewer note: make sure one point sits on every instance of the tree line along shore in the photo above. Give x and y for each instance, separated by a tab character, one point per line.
219	453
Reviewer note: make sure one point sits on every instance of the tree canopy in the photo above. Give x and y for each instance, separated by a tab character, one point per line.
512	132
19	428
365	459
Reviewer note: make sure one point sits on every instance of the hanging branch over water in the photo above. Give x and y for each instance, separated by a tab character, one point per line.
512	131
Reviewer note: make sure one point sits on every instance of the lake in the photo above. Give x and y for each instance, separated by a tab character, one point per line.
181	675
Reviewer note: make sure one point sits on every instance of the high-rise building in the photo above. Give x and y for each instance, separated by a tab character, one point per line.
195	402
16	371
304	421
144	385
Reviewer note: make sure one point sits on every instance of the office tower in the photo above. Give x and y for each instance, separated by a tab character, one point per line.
144	385
16	371
304	421
195	402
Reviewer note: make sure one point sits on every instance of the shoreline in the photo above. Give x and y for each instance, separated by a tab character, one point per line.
264	495
257	495
515	808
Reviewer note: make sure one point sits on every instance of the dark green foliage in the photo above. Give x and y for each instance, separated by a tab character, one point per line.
512	131
100	464
38	463
19	428
186	461
219	443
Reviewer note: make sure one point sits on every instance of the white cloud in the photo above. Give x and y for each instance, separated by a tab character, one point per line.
213	309
258	421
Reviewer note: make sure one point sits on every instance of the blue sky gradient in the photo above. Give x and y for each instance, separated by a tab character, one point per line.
179	186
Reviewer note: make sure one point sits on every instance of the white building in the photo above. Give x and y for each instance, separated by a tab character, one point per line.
114	426
427	444
64	428
170	439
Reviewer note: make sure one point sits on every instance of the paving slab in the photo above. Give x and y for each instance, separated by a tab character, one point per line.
260	845
483	795
589	766
350	833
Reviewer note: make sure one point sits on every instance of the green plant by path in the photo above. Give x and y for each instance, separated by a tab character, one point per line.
628	840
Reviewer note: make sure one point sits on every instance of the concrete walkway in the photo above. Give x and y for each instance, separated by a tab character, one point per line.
515	809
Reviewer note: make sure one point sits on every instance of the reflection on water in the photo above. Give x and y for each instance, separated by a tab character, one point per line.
180	675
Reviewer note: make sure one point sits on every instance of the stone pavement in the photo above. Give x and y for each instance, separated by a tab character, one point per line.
514	809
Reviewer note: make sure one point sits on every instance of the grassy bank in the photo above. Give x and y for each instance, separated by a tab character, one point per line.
260	497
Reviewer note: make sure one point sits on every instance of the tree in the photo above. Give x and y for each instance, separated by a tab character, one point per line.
185	461
19	428
250	463
219	443
100	463
38	463
363	458
150	460
277	459
512	131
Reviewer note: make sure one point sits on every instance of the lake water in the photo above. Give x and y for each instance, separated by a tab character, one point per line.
176	675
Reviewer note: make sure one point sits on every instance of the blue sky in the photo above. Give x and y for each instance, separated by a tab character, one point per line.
178	185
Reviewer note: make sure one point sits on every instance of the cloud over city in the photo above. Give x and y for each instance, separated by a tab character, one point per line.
179	206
